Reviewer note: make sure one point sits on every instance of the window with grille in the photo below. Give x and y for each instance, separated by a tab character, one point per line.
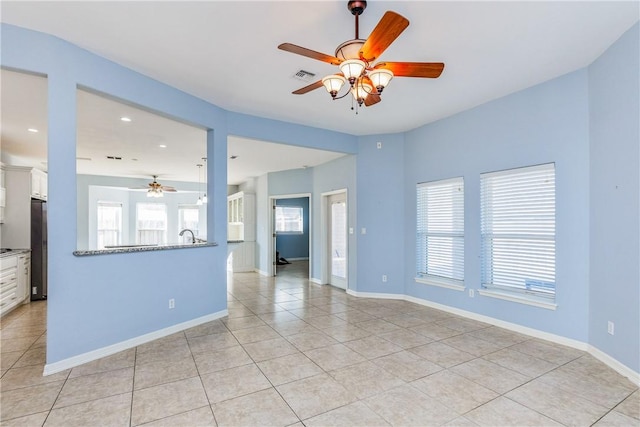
289	219
109	224
440	232
151	224
518	225
188	217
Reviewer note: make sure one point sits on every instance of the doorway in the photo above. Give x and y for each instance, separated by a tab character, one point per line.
337	240
291	235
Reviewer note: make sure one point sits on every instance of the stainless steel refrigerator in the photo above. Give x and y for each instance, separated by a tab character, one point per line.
38	249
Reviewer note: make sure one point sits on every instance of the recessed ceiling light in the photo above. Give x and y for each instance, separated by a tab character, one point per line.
33	130
162	146
125	119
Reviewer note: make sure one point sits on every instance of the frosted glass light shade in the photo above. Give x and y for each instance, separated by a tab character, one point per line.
350	49
352	68
380	78
361	90
333	83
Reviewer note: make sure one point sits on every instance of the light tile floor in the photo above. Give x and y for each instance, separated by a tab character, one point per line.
295	353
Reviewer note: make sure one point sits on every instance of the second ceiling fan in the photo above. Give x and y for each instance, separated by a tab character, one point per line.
355	58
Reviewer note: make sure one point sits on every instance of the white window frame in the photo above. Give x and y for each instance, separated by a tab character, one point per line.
518	229
186	237
118	227
281	221
440	233
163	230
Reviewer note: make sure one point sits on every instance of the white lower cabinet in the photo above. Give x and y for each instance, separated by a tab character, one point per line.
15	280
24	277
242	257
8	283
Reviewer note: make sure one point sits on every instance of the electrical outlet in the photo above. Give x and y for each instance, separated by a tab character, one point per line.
172	303
610	327
34	290
379	145
384	277
472	293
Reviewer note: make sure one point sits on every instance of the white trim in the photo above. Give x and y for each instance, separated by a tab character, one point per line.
615	365
316	281
304	258
72	362
521	299
440	283
558	339
376	295
261	272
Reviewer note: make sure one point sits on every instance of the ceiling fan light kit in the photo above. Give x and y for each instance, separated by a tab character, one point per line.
355	57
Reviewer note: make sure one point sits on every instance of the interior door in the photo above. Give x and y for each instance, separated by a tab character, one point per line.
337	239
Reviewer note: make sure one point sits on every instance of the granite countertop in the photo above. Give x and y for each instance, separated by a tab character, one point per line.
138	248
235	241
14	252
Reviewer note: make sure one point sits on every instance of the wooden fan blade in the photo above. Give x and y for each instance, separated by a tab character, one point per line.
371	99
169	189
288	47
387	30
413	69
312	86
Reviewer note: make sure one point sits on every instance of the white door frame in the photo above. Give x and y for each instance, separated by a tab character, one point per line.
325	271
271	249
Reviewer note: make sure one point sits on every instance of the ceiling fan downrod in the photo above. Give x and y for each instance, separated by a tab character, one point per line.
356	8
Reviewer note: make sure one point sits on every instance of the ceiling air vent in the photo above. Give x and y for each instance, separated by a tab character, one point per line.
305	76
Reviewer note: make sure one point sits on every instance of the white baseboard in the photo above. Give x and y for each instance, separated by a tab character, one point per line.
262	273
615	365
558	339
72	362
316	281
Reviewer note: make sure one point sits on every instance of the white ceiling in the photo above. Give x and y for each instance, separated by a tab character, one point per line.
148	145
226	51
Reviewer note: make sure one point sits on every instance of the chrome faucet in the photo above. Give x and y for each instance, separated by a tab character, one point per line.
193	237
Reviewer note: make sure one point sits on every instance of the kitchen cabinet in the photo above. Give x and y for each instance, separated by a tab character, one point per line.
22	184
23	274
8	283
15	279
241	222
3	199
39	184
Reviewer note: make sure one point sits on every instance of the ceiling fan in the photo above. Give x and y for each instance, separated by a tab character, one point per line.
355	58
155	189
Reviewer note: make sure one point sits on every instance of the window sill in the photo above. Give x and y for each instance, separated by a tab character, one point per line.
440	283
521	299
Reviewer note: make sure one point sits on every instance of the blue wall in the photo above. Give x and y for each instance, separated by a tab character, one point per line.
381	210
295	245
543	124
615	207
586	122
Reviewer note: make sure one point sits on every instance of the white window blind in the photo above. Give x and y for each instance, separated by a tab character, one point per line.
289	219
109	224
518	225
188	217
440	231
151	224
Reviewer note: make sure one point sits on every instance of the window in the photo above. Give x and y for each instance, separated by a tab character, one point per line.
188	217
289	219
518	225
440	233
151	224
109	224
